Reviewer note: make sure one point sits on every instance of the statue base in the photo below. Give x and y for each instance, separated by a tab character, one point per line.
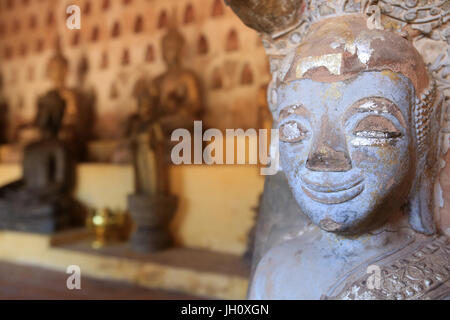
43	218
151	215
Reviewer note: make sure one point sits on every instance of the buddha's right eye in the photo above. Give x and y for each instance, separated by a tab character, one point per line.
292	131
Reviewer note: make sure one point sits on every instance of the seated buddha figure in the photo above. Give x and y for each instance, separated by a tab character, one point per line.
47	166
76	125
359	119
41	201
176	92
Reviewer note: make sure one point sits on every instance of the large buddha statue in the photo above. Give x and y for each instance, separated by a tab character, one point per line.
359	117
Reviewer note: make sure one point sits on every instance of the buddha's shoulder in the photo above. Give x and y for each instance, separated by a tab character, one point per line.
419	271
295	269
303	269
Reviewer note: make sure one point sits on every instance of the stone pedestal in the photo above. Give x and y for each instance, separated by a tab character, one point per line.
20	212
151	215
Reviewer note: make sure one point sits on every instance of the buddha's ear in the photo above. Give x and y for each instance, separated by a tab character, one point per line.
426	194
421	206
268	16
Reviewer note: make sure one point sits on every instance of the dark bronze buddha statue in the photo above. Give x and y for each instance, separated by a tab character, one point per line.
41	201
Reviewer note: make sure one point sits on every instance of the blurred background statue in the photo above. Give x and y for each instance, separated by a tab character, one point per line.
41	201
173	100
148	145
76	127
87	107
151	207
177	91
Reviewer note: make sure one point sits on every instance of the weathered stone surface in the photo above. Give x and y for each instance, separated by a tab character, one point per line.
359	117
444	223
268	16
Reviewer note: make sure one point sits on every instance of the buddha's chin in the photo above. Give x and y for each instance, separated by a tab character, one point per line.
345	217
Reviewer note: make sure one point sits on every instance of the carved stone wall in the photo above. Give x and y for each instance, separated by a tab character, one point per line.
119	43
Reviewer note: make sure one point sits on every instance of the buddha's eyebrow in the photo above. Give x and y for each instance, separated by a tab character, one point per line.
376	105
294	109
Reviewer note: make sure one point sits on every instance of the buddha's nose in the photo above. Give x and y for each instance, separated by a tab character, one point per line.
329	151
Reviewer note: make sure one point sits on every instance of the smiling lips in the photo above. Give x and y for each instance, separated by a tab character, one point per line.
333	194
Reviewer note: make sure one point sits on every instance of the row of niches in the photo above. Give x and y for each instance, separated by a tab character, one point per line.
232	43
84	71
32	23
214	79
87	6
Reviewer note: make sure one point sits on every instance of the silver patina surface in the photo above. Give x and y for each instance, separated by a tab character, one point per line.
361	124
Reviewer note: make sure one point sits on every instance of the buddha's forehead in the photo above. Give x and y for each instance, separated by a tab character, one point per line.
338	96
339	48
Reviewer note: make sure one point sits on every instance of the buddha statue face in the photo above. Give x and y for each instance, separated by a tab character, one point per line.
358	112
348	148
345	110
57	70
172	47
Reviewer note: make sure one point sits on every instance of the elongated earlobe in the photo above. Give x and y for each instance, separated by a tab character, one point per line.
422	200
421	206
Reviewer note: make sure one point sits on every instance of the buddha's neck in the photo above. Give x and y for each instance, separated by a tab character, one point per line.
396	232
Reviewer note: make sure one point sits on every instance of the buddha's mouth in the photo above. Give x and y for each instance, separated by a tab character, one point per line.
333	193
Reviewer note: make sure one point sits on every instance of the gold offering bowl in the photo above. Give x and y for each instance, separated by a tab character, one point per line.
108	226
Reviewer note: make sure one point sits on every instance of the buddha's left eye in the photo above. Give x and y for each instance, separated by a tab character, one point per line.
377	127
292	132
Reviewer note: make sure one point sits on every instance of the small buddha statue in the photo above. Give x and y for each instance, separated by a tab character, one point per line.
147	147
41	201
172	100
75	128
47	167
177	91
359	115
151	206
